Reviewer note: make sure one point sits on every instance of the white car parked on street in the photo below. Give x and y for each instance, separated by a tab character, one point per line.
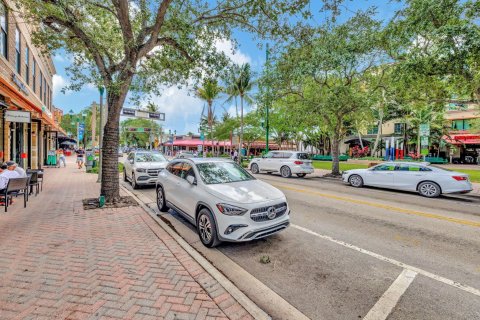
222	200
428	181
284	162
142	167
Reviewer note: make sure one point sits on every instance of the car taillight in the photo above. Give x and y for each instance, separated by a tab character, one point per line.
459	178
298	162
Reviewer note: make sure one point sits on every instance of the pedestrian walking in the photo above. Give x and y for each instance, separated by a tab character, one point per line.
80	157
61	157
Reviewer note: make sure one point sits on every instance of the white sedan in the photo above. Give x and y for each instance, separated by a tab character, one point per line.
428	181
222	200
284	162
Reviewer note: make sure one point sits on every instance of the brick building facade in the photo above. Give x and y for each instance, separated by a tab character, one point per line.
28	129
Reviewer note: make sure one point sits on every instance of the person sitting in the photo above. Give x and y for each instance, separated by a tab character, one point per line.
20	171
8	174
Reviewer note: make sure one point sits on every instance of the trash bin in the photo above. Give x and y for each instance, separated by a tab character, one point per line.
90	159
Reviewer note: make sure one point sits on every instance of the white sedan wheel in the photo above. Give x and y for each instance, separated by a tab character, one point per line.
429	189
355	181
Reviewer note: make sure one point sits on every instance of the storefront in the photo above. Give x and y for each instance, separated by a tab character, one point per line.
464	147
27	132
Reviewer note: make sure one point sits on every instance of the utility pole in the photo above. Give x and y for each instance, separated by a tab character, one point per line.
99	179
267	103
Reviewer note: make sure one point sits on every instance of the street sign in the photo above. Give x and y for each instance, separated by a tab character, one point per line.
202	136
131	129
424	129
129	112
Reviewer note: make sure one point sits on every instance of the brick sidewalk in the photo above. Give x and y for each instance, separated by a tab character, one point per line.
58	261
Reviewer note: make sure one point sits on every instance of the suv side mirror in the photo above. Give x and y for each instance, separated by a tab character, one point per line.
191	180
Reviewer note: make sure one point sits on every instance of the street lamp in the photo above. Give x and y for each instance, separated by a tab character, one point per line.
267	103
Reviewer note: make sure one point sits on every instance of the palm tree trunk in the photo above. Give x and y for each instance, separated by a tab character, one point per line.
240	141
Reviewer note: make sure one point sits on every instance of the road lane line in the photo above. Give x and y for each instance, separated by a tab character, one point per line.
397	263
383	206
390	298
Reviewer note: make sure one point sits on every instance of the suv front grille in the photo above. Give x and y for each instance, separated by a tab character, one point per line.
153	172
261	214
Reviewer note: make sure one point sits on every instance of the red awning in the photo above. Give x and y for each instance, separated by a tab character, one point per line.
464	138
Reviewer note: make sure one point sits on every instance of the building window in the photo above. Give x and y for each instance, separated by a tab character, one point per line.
398	128
3	30
18	52
34	76
461	124
372	130
41	86
27	65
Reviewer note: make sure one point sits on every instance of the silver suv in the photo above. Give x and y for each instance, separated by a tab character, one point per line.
142	167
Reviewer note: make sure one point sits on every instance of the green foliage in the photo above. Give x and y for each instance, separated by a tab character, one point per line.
139	139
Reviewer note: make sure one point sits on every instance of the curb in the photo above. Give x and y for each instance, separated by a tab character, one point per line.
239	296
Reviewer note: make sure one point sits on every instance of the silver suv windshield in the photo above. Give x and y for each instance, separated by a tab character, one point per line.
222	172
149	157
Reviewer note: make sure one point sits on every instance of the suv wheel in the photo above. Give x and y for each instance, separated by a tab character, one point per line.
429	189
207	229
254	168
285	172
134	181
161	202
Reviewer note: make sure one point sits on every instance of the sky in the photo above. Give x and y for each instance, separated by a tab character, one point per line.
182	109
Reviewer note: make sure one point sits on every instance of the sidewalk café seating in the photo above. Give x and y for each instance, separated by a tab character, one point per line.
16	187
40	176
34	182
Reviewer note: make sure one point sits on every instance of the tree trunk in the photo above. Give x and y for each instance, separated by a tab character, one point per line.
240	140
335	154
110	187
379	134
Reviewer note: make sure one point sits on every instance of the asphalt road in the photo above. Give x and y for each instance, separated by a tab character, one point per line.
365	253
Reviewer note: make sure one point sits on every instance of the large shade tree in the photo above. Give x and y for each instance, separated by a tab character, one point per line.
333	74
137	45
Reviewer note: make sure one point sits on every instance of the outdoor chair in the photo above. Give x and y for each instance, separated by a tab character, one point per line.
34	183
39	177
16	186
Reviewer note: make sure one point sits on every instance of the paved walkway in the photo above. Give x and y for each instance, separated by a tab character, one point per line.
58	261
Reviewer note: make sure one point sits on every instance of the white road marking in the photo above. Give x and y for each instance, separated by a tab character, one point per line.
430	275
390	298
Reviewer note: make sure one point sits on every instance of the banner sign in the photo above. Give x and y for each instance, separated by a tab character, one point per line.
81	131
17	116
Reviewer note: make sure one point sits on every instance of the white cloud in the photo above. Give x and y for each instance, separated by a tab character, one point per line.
226	46
182	109
59	83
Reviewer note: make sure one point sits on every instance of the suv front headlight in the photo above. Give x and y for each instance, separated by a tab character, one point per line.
141	170
230	210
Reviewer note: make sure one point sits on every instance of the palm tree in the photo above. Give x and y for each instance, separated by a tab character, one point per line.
243	85
209	92
231	87
152	107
